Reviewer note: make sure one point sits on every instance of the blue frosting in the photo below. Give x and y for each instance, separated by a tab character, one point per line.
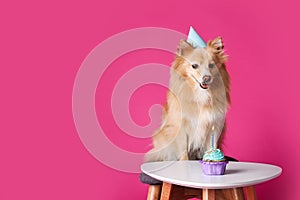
213	155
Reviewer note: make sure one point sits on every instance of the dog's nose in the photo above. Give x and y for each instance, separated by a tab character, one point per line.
206	79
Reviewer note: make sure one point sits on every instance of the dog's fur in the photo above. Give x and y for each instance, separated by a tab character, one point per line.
194	104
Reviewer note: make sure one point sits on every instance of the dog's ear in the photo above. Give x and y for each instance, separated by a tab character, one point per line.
184	47
216	47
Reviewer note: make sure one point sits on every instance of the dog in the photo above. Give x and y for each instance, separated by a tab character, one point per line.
197	100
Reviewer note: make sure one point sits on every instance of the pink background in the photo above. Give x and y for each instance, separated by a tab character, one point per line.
44	43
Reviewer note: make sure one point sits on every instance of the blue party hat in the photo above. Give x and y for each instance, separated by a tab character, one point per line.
194	39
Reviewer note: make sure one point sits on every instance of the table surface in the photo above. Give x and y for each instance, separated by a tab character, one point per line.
189	173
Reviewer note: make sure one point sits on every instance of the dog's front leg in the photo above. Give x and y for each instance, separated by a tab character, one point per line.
182	145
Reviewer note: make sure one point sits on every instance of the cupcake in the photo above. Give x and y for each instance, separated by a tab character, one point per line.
213	162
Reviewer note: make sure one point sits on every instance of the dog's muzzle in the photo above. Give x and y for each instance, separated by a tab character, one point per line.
206	80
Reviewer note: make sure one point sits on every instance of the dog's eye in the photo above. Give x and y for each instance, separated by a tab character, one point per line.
195	66
211	65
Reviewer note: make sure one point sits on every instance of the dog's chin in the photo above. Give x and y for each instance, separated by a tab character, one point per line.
203	86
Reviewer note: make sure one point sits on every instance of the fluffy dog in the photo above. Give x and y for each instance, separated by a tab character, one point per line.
197	100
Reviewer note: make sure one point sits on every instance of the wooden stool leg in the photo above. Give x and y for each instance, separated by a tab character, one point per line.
237	193
166	191
154	192
208	194
250	193
230	194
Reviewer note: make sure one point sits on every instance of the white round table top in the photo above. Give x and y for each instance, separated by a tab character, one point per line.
189	174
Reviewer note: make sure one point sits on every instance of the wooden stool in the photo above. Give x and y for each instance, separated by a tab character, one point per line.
180	180
169	191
